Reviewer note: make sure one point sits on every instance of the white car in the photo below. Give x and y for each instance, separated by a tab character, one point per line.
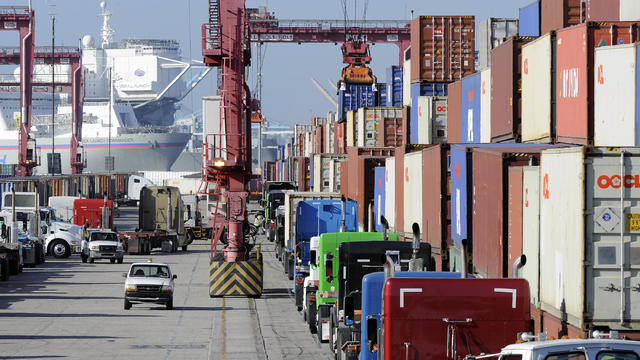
102	244
149	283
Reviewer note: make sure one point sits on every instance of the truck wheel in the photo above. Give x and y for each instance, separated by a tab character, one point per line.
14	267
59	249
184	247
127	304
113	261
311	315
292	269
170	304
120	260
4	269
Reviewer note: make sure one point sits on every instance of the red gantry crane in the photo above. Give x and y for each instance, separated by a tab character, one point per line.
226	167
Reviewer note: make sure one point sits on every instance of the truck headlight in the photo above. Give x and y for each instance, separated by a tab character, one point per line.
73	242
166	289
93	247
131	287
120	248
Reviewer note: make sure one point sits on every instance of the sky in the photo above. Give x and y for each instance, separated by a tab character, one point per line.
288	95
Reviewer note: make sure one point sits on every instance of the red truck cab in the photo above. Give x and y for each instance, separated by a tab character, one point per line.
427	318
90	211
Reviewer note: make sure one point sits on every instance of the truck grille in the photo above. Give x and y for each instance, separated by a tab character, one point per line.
107	248
149	288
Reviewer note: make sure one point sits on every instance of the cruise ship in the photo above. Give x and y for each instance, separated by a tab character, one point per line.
131	91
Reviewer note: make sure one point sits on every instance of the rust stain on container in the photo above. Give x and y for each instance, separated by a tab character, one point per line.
453	117
558	14
442	48
506	89
575	74
514	225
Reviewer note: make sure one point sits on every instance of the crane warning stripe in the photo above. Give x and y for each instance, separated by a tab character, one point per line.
243	278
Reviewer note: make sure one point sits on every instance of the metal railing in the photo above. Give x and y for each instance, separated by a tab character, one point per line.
14	10
327	25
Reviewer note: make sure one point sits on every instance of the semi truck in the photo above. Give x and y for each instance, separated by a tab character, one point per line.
61	238
160	222
23	209
273	197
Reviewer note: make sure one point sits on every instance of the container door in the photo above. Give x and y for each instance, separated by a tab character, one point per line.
536	90
390	193
485	106
531	230
613	240
379	197
412	191
514	217
425	114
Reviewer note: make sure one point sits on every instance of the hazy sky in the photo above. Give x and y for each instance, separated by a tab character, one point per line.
289	96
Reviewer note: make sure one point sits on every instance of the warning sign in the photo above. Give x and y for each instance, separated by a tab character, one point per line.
633	222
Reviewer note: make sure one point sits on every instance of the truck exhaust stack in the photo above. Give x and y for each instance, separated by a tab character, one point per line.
517	265
416	264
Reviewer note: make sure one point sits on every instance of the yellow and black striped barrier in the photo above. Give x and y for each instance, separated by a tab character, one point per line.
241	278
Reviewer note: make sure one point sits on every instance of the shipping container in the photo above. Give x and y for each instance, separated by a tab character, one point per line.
340	140
470	109
514	216
355	96
412	183
491	33
406	80
382	94
361	164
390	192
379	195
589	236
394	86
531	230
443	48
529	24
291	200
558	14
616	113
454	110
368	120
485	106
325	176
417	90
575	75
431	114
506	91
436	198
538	95
603	10
490	242
350	129
629	10
390	132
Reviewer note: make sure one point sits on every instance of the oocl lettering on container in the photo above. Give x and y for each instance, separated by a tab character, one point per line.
615	181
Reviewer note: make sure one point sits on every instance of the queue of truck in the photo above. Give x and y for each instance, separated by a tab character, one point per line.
369	295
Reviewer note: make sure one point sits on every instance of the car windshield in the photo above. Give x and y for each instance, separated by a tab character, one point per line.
149	271
100	236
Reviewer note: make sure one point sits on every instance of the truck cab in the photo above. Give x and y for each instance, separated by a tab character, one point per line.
102	244
11	262
23	207
61	238
135	184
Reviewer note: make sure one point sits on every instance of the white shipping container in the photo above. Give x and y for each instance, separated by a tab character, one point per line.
350	124
390	192
491	33
531	230
432	119
159	177
536	90
412	191
291	200
629	10
615	85
326	172
367	120
308	147
590	236
406	83
485	106
186	185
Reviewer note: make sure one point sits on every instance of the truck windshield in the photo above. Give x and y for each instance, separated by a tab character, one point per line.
98	236
149	271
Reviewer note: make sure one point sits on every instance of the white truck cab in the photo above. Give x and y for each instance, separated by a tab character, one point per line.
311	285
61	238
149	283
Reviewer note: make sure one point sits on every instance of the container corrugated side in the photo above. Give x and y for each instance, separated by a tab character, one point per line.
603	10
432	119
379	197
436	197
629	10
615	96
390	192
558	14
514	216
531	230
470	109
406	82
454	112
350	129
394	86
530	20
412	191
538	76
491	33
485	106
368	120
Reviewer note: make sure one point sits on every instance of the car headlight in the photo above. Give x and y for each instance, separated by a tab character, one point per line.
166	289
131	287
93	247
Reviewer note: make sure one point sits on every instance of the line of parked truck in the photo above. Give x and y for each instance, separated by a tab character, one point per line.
371	296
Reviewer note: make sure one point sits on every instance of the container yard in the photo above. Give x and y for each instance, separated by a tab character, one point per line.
472	195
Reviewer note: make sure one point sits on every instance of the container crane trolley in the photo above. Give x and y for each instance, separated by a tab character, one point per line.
226	165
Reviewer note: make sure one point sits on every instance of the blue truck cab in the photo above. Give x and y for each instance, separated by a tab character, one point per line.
315	217
372	285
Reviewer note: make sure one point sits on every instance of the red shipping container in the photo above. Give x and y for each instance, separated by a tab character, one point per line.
406	111
390	132
506	90
340	139
436	197
442	48
575	74
90	211
603	10
303	173
514	218
558	14
454	99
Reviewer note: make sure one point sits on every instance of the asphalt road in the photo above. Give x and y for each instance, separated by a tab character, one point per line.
67	309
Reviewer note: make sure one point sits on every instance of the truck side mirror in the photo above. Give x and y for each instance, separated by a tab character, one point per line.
349	312
372	334
312	258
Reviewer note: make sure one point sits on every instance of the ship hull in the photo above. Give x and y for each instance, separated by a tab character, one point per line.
131	152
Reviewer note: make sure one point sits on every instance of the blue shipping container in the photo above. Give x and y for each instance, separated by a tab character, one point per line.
470	109
394	86
354	97
315	217
530	20
372	301
378	197
382	94
418	89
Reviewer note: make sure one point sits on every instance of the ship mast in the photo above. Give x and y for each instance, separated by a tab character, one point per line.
107	31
